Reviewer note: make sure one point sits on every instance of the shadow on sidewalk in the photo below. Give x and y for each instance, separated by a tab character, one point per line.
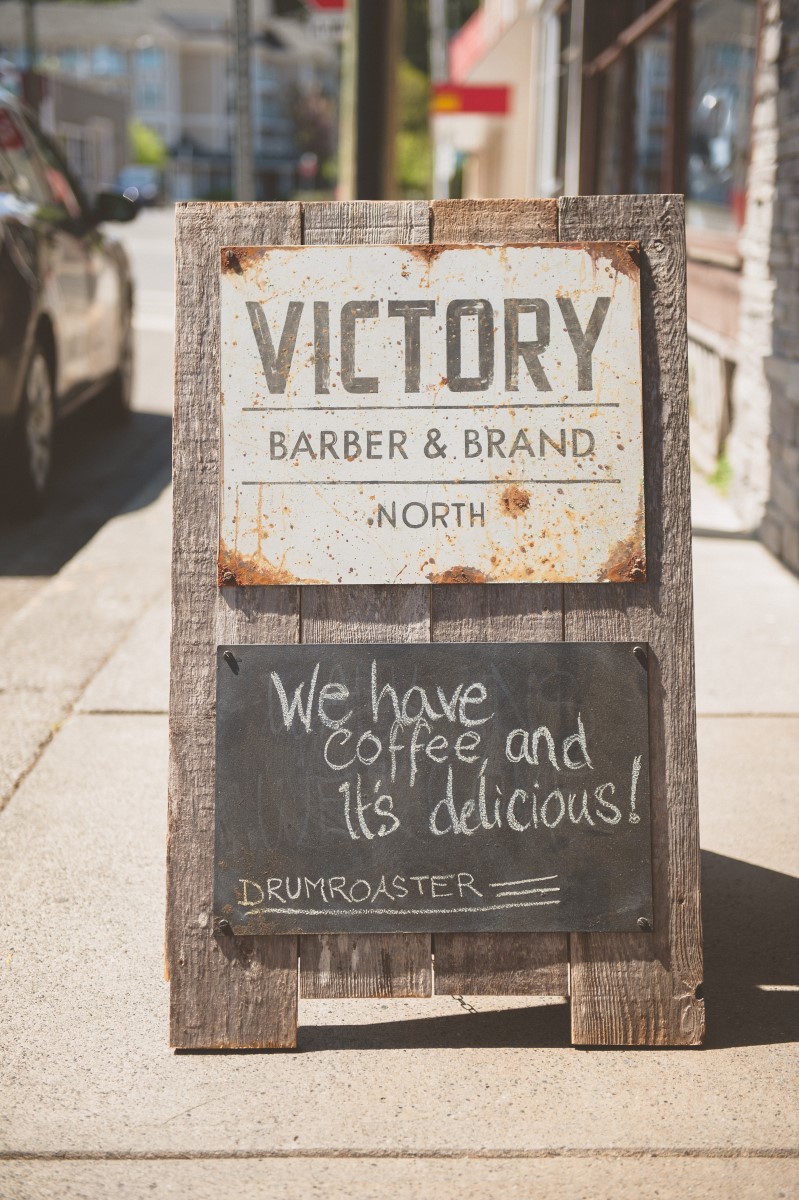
542	1026
751	916
750	919
97	473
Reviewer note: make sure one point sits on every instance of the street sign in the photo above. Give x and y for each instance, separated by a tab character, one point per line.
488	99
391	788
444	414
327	19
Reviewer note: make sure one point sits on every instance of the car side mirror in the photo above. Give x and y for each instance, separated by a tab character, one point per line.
111	206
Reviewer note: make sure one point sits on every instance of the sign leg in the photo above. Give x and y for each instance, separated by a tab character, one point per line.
225	993
646	989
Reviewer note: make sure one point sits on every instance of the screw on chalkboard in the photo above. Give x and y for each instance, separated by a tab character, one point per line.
223	927
232	661
644	924
641	654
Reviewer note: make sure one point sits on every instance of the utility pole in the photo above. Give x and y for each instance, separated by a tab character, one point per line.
437	10
439	70
379	33
574	109
31	56
345	186
244	175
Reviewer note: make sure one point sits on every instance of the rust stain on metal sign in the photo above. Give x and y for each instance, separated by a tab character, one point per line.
627	561
458	575
514	501
234	568
243	258
428	252
624	257
392	409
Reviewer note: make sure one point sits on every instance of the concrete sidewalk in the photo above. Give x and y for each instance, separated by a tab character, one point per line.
479	1097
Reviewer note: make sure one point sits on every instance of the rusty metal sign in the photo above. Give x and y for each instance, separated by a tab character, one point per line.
399	788
444	414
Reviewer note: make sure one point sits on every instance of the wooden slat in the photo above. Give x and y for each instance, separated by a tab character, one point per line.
640	989
225	992
493	221
507	963
378	964
345	966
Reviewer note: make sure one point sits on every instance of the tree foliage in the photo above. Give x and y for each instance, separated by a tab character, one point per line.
147	147
414	150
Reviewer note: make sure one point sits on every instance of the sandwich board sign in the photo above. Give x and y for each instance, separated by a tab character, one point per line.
432	689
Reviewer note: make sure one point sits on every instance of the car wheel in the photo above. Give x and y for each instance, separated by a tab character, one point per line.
32	452
118	396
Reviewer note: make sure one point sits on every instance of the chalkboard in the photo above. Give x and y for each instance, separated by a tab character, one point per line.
439	787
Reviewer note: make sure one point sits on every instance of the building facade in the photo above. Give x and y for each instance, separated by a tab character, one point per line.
692	96
173	61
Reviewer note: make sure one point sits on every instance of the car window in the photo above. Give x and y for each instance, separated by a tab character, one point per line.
19	167
62	189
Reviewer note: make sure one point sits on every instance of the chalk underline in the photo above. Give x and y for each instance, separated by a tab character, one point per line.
528	891
406	482
519	882
394	912
325	408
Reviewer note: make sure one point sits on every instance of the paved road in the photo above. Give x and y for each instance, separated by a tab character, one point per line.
98	471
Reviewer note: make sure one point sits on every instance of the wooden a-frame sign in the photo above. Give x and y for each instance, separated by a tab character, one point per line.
626	951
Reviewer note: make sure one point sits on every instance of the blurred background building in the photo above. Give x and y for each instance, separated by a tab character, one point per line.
172	63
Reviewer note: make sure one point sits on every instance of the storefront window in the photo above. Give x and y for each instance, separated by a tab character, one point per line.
108	61
149	60
611	167
667	106
75	62
651	114
149	94
723	60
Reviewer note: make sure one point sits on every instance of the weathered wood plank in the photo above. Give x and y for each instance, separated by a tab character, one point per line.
387	964
225	992
345	966
498	964
641	989
494	221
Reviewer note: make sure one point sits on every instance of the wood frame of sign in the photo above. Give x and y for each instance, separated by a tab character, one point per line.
624	988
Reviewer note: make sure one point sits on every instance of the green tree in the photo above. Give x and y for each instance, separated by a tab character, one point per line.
414	166
147	147
414	149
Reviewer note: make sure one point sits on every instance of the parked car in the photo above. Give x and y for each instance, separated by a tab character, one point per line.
66	303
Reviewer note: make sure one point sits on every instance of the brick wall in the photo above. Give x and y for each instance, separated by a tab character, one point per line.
764	444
